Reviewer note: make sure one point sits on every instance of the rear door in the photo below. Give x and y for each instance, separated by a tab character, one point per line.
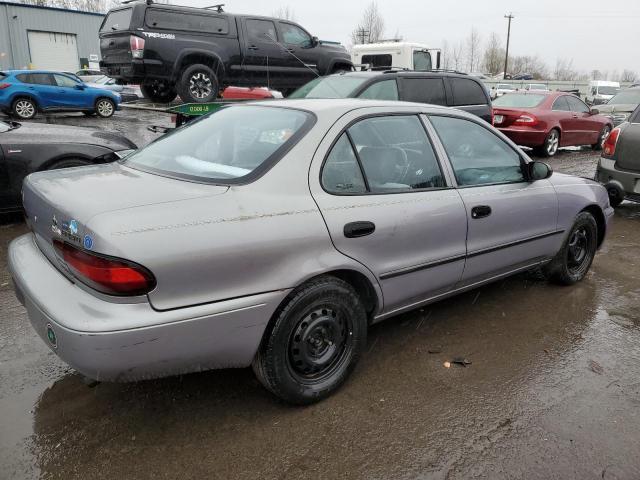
512	222
264	58
423	90
389	204
586	128
42	86
470	96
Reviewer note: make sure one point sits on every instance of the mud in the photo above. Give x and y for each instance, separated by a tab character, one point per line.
553	391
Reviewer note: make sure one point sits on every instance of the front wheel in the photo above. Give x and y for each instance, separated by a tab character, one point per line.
198	84
313	343
572	262
105	107
606	130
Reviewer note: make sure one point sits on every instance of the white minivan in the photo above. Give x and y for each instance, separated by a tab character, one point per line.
392	54
601	91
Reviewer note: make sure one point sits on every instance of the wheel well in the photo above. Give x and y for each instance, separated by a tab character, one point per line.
600	221
28	97
47	165
209	61
362	286
103	97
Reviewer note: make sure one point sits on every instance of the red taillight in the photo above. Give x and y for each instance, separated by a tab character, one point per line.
528	119
4	85
112	276
609	145
137	46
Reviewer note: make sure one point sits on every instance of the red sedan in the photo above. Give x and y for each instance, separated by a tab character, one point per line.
547	121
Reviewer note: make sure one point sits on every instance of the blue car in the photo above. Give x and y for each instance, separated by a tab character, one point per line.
25	92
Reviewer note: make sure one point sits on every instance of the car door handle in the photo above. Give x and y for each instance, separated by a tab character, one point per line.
575	116
252	47
359	229
481	211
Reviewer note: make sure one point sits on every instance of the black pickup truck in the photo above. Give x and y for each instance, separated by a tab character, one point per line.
194	52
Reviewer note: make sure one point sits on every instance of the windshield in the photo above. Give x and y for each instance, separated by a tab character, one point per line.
608	90
519	101
102	80
335	86
626	97
225	146
117	20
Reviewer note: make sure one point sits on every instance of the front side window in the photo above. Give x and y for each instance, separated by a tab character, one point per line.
261	31
424	90
64	81
577	105
294	35
421	61
467	92
383	60
478	156
226	146
561	104
395	154
341	172
385	90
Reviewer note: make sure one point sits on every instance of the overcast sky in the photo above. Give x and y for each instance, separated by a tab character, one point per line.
594	36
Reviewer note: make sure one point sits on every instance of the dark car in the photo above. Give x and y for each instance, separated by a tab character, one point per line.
32	147
619	166
437	88
546	121
196	52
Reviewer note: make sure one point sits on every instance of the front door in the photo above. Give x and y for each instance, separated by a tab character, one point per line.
264	57
512	222
66	94
389	205
301	54
585	128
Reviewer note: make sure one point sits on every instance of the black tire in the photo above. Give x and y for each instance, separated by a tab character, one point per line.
551	144
24	108
572	262
89	114
616	196
158	92
313	342
105	107
198	84
69	163
603	135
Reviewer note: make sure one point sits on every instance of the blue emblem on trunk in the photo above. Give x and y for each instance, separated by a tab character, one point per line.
88	242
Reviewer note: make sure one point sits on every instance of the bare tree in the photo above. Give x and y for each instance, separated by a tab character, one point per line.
445	60
285	13
371	26
473	44
493	61
628	76
532	65
564	70
458	55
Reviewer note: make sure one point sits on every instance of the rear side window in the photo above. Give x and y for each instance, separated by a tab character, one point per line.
117	20
24	77
467	92
561	104
36	78
341	172
171	20
378	61
478	156
385	90
424	90
262	31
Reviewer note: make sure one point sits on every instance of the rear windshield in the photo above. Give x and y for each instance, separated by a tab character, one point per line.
626	97
519	101
117	20
608	90
226	146
335	86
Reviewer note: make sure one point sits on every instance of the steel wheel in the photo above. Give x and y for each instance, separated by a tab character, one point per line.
200	85
317	345
578	250
552	143
105	108
24	108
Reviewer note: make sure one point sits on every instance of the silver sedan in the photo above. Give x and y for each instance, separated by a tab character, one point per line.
273	234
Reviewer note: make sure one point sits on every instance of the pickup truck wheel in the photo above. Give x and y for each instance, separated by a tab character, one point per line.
572	262
313	342
198	84
24	108
158	92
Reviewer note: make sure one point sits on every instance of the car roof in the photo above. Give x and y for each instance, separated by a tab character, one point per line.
16	72
405	73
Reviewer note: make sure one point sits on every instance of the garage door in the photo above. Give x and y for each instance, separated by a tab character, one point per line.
53	51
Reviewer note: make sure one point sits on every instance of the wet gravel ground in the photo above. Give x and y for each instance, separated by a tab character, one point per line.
553	391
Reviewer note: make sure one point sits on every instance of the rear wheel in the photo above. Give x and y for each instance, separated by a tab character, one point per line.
24	108
551	143
606	130
574	259
158	92
314	342
105	107
198	84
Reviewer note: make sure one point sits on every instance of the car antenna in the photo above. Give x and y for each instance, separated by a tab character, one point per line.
218	7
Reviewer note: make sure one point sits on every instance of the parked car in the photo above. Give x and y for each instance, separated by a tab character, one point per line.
547	121
536	87
521	76
88	75
601	91
620	107
25	92
619	166
128	93
189	254
437	88
29	147
196	52
500	89
405	55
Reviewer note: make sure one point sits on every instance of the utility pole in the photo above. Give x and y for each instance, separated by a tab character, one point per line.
506	57
362	34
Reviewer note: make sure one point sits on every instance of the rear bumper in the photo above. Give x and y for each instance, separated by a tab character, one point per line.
156	343
137	70
627	181
525	137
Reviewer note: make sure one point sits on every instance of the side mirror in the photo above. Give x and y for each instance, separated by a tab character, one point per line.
314	42
80	86
539	171
594	111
